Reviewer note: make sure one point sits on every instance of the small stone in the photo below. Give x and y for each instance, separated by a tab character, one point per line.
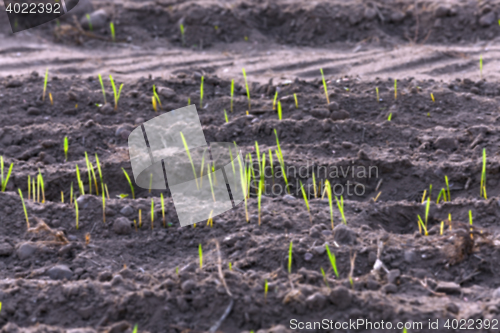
319	250
106	109
117	279
13	84
60	272
390	288
320	113
341	297
119	327
344	235
98	19
289	197
105	276
127	210
32	111
139	121
123	131
370	13
409	256
448	287
397	16
333	106
26	250
393	275
188	285
121	226
182	304
496	293
442	11
487	19
446	143
6	249
84	201
316	301
347	145
372	285
308	256
166	92
453	308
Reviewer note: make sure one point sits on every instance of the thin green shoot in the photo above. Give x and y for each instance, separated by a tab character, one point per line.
279	110
290	258
62	197
102	87
5	178
296	101
80	183
29	187
340	206
333	261
422	225
112	28
189	101
24	208
140	218
89	20
441	193
430	191
266	287
181	27
395	89
324	277
156	97
136	327
243	185
390	117
441	228
103	204
261	184
201	92
275	99
482	191
481	65
230	266
306	201
200	254
98	167
153	102
248	90
45	84
330	203
209	174
152	214
225	116
77	213
283	171
433	99
186	147
315	187
42	185
115	93
66	148
87	161
378	95
71	194
232	94
163	210
470	217
324	86
129	182
447	188
427	207
271	163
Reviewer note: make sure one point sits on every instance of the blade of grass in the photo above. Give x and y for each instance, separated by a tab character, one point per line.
77	213
324	277
395	89
102	87
378	95
163	210
296	101
45	84
232	94
112	28
275	99
129	183
330	203
225	116
340	206
66	148
324	86
248	90
24	208
87	161
152	214
279	110
482	191
201	92
80	183
200	254
306	201
447	188
186	147
290	258
333	261
181	27
115	93
5	180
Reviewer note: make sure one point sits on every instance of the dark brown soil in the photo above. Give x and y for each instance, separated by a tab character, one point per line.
107	277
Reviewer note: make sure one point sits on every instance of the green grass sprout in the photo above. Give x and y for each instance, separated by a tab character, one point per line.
290	258
98	167
232	94
390	117
324	86
427	207
156	99
482	191
24	208
422	225
330	203
378	95
90	22
4	178
200	254
271	163
186	147
66	148
163	211
279	110
395	89
71	194
433	99
115	93
315	188
275	99
447	188
201	92
152	214
181	27
129	182
333	261
136	327
225	116
87	161
340	205
248	90
324	277
102	87
80	183
296	101
266	287
29	187
45	84
103	204
306	201
112	28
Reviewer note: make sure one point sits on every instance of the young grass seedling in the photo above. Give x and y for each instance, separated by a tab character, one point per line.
71	194
330	203
153	101
115	93
181	27
447	188
89	20
200	254
5	178
279	110
314	186
42	185
129	182
427	207
77	214
232	94
423	196
324	86
163	211
112	28
186	147
80	183
324	277
433	99
340	205
66	148
201	92
225	116
102	87
24	208
481	65
296	101
290	258
140	218
390	117
45	84
87	161
136	327
482	191
441	228
152	214
29	187
62	196
103	204
306	201
333	261
378	95
248	90
156	98
395	89
422	225
275	99
266	287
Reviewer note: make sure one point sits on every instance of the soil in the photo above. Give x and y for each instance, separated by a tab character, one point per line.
109	276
